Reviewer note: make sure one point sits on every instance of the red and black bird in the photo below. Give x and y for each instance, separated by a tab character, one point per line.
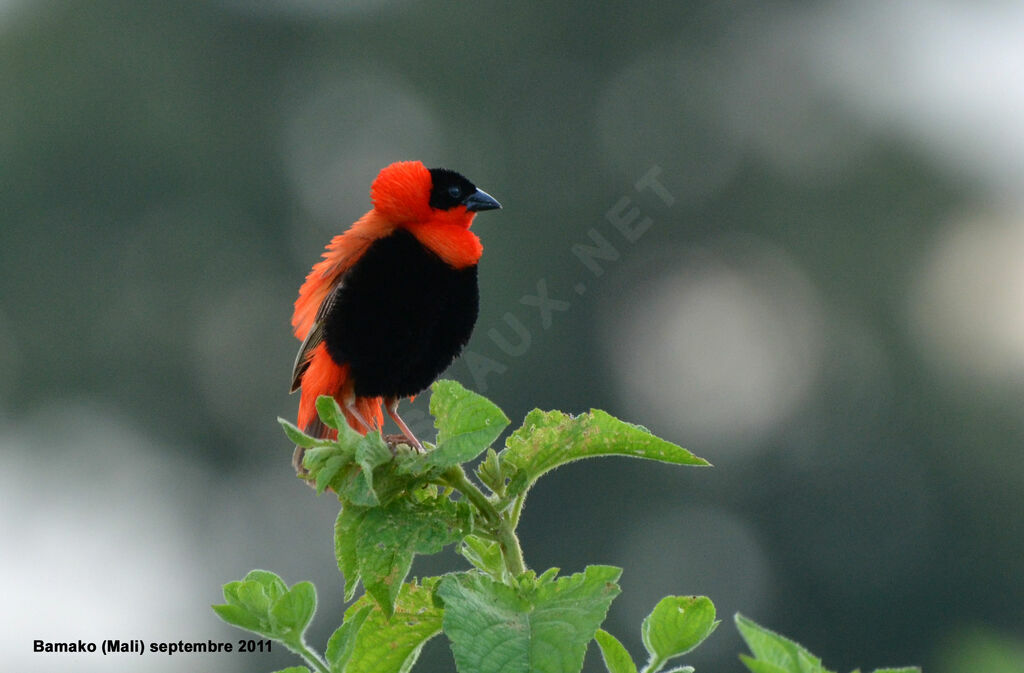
393	301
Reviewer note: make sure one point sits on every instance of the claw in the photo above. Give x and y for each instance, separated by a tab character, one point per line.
391	404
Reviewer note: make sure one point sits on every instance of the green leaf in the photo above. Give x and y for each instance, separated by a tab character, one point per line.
808	663
467	423
391	481
238	616
355	487
677	625
299	438
342	642
292	612
330	413
371	452
346	528
386	645
495	628
774	653
382	571
326	473
484	554
616	658
247	602
355	482
294	669
550	439
253	604
317	458
759	666
388	537
332	465
771	648
252	597
490	472
273	586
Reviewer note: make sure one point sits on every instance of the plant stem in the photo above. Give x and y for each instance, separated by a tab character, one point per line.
517	509
504	529
511	552
456	477
654	665
312	658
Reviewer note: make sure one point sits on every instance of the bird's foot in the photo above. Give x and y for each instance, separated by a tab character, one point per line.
391	405
397	439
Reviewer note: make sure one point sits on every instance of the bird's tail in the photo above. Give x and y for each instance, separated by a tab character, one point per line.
324	377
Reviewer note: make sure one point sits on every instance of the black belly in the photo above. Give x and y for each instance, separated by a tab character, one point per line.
400	317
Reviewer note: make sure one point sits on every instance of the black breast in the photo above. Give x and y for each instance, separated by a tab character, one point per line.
400	316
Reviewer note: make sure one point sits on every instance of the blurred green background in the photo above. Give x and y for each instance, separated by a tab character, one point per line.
827	302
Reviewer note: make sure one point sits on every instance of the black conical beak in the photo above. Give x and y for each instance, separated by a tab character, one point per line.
480	200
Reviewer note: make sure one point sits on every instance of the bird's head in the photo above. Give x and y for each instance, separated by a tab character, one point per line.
407	192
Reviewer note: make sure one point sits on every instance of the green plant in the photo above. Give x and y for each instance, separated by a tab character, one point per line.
777	654
498	616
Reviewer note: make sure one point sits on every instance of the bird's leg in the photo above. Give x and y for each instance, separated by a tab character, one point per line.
351	408
391	404
348	400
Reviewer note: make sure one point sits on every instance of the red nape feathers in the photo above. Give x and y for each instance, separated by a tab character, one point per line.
401	192
393	301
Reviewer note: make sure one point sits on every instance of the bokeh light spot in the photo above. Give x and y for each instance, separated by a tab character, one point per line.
942	74
721	349
967	300
95	530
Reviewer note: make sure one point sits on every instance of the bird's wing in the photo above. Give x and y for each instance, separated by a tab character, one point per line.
314	338
318	292
342	252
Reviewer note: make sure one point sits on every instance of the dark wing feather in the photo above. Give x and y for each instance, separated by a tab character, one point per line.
314	338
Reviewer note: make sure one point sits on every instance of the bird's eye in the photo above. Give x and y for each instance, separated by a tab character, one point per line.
455	191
